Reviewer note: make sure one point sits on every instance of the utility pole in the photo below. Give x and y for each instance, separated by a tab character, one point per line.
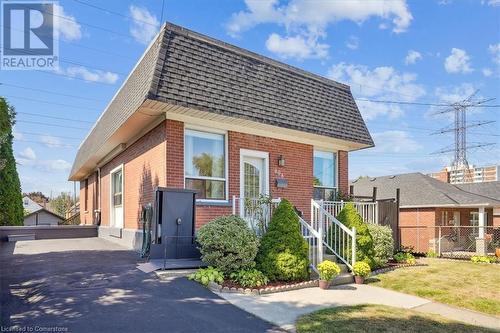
460	163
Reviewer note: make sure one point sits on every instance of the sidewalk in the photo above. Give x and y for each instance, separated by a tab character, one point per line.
283	309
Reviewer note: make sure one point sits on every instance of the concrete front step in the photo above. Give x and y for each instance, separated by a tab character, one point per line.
332	257
343	278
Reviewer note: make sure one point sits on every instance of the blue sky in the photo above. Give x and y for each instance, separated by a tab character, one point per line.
434	51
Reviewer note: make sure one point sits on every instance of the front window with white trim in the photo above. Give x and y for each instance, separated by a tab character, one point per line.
205	164
325	170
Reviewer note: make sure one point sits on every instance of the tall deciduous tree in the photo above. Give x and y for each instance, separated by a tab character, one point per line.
11	204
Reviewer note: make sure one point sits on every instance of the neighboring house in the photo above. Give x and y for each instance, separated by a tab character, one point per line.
428	205
477	175
200	114
30	205
42	216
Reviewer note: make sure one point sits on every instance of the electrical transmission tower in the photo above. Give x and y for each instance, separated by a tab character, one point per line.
460	165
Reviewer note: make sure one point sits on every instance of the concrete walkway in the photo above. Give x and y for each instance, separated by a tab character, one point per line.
283	309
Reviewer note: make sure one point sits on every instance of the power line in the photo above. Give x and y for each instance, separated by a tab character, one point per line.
417	103
48	102
48	92
76	63
54	144
45	134
52	125
115	13
53	117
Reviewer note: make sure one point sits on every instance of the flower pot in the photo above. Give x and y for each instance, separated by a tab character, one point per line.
324	284
359	279
497	252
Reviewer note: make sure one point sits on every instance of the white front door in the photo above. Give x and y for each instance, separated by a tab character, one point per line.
117	198
254	174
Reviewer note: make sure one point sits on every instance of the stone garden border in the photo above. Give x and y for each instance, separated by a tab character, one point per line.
392	268
268	290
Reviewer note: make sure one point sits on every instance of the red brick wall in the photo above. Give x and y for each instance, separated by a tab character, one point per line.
297	169
157	159
143	170
343	171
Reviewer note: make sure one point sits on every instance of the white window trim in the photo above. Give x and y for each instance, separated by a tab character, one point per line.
189	127
111	207
337	170
258	154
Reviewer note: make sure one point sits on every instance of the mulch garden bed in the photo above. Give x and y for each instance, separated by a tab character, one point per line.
392	265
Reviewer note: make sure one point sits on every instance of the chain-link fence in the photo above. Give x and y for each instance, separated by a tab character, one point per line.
451	241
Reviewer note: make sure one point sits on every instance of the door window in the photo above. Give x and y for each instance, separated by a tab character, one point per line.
117	188
252	181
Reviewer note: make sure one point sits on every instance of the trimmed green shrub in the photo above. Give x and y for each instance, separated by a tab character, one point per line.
228	244
483	259
383	244
283	252
328	270
249	278
362	269
364	241
405	258
207	275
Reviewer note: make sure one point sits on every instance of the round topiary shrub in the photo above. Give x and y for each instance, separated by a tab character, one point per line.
383	244
228	244
283	252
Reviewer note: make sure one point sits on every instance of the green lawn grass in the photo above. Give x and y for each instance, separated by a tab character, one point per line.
460	283
379	318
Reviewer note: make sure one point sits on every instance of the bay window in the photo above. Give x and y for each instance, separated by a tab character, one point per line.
324	171
205	164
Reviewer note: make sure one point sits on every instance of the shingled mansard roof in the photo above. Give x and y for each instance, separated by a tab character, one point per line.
185	68
419	190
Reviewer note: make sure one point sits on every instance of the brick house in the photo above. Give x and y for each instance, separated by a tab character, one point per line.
201	114
431	210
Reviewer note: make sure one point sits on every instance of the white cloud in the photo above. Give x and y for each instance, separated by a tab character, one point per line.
144	25
458	62
352	43
455	93
495	52
487	72
492	3
395	142
316	15
380	83
66	25
298	47
412	57
17	135
53	142
90	75
27	154
54	165
307	21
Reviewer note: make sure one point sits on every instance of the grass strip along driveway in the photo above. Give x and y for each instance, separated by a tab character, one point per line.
459	283
379	318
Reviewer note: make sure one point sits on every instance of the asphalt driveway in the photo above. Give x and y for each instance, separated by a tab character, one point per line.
92	285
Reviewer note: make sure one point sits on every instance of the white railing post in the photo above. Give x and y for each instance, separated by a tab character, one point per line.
353	254
320	231
439	242
234	205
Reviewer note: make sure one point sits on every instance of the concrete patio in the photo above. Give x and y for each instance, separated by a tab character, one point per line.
92	285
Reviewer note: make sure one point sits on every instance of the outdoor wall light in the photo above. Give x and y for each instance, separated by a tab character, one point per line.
281	161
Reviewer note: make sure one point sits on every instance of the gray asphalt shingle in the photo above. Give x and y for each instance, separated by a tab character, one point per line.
189	69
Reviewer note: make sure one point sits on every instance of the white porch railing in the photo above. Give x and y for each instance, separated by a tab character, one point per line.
256	211
335	236
314	243
367	210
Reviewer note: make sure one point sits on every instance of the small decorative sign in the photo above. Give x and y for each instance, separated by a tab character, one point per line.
281	183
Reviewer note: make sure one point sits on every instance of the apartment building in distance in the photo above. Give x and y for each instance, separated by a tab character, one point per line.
478	175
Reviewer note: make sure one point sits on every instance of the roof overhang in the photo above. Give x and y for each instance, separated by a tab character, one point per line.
484	205
151	113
